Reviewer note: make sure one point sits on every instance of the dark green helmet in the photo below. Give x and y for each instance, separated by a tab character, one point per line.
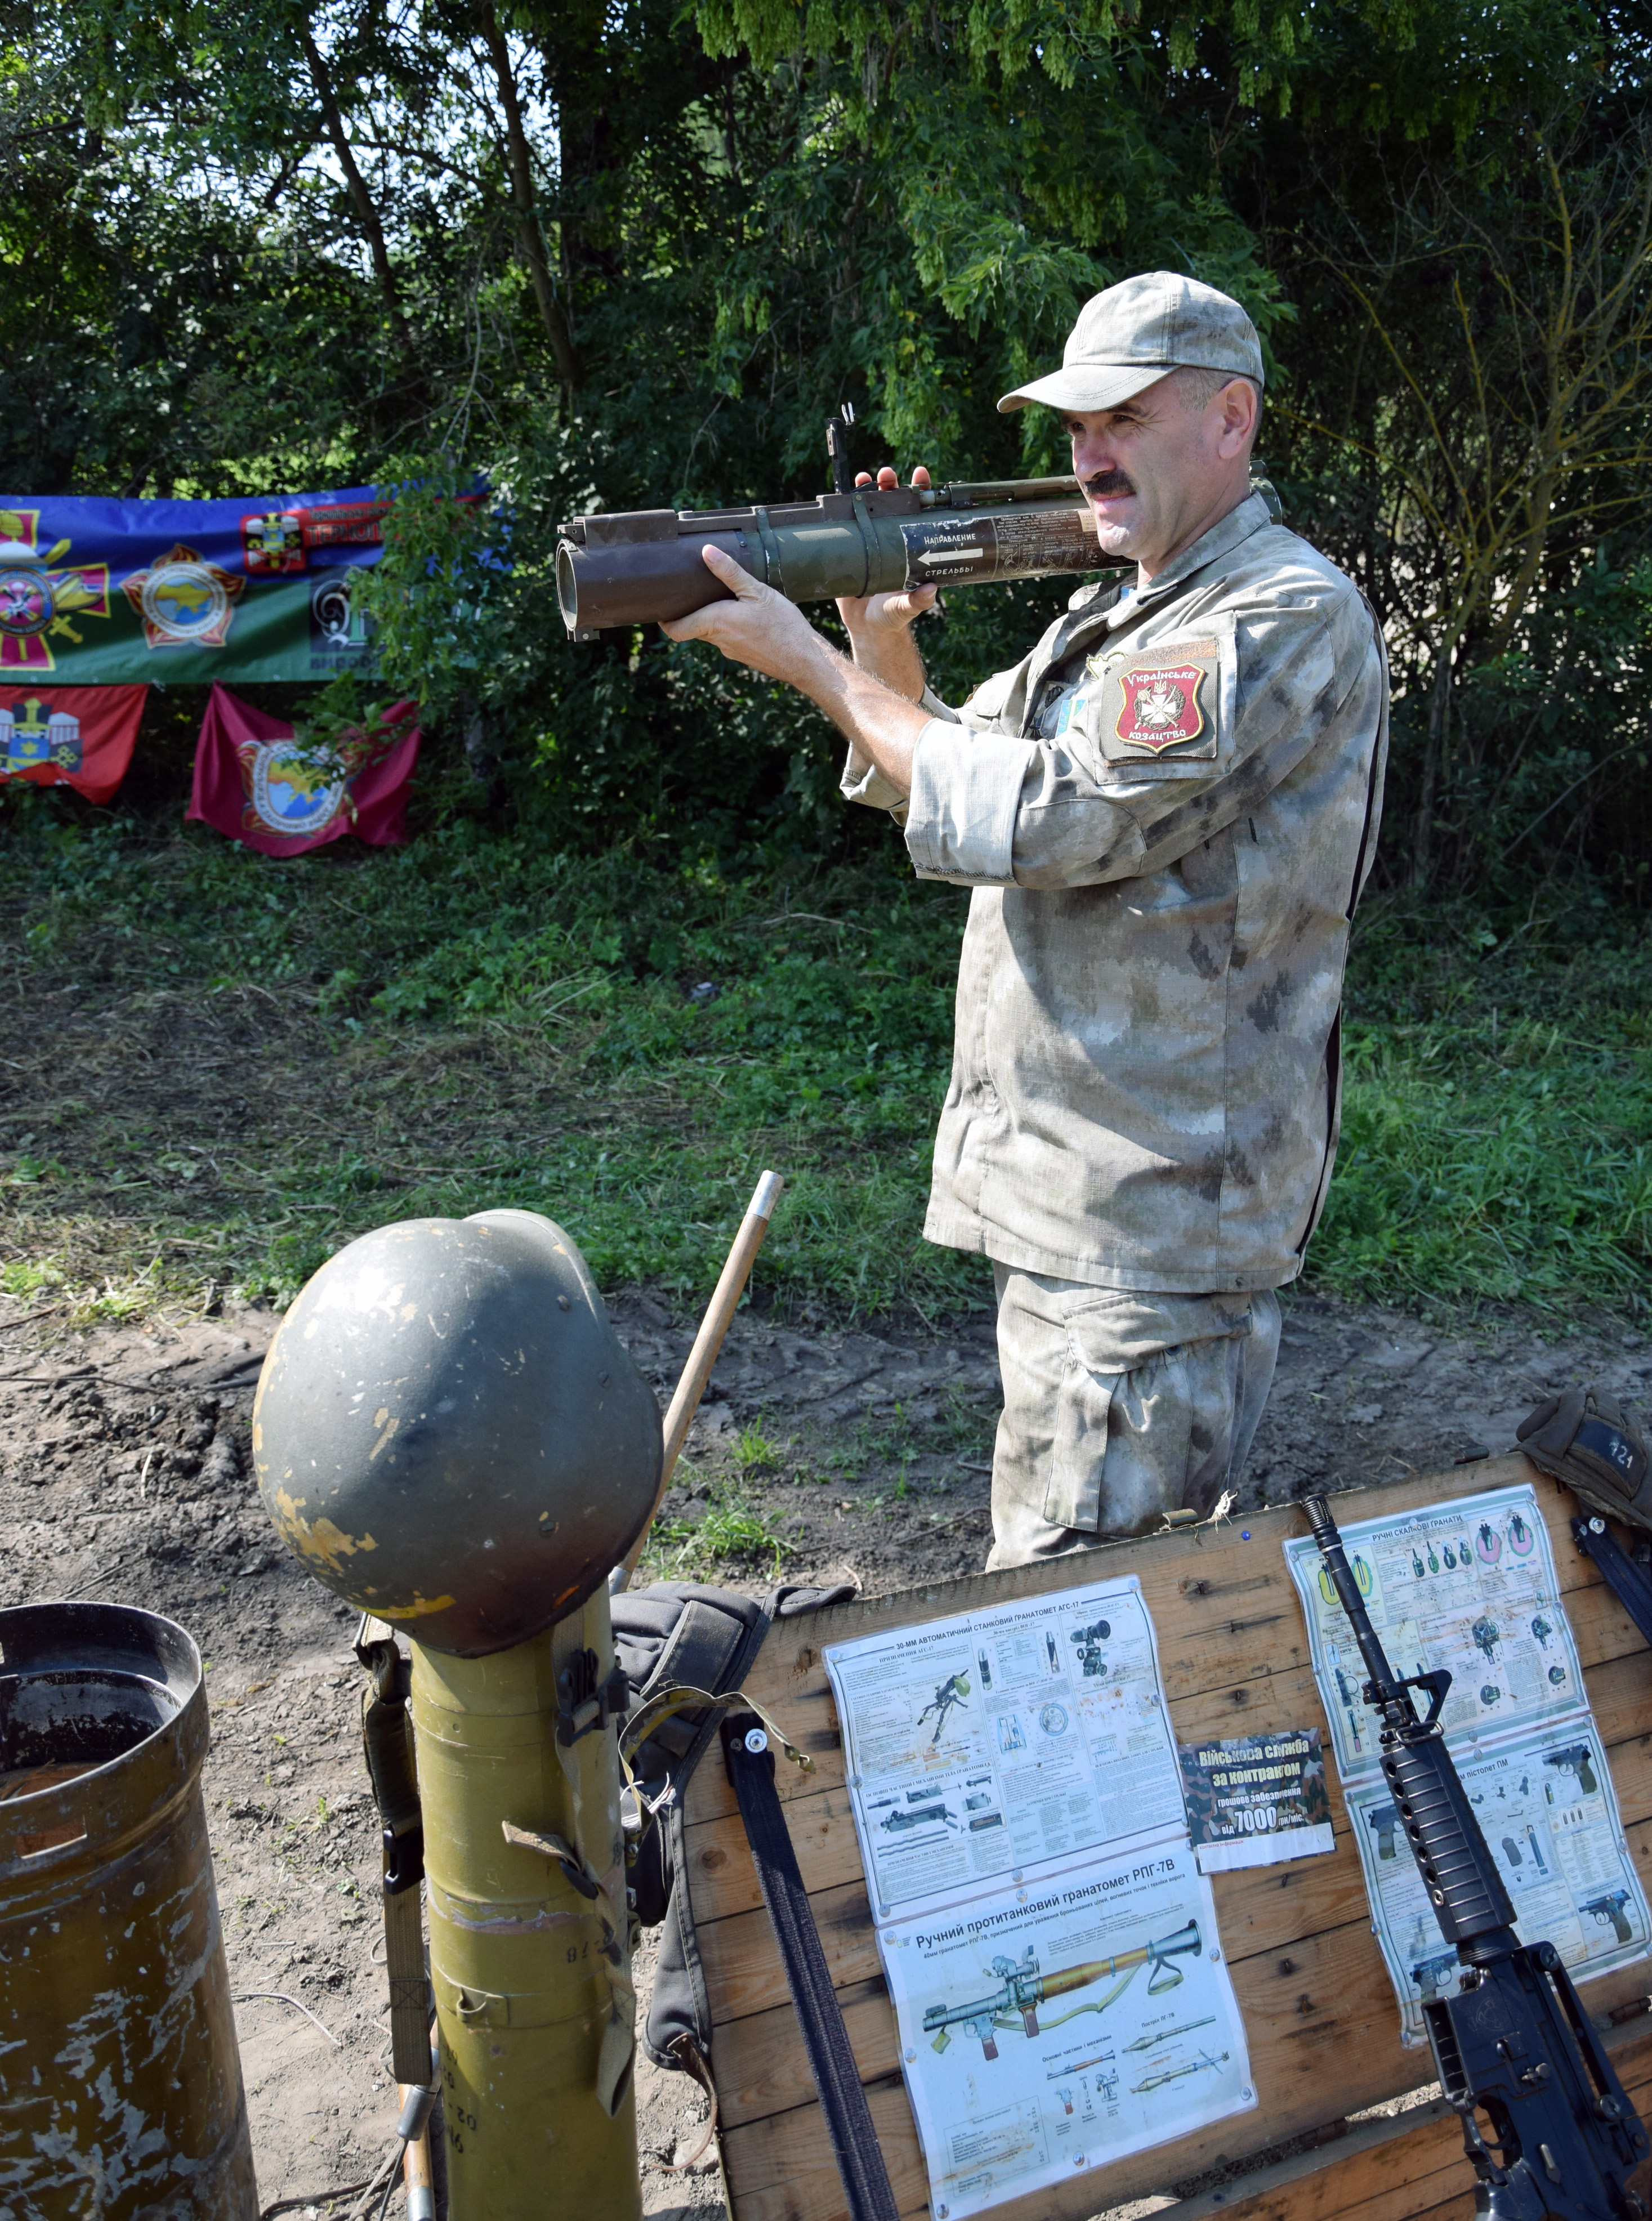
447	1433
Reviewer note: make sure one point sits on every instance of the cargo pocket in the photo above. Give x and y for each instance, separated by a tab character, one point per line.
1145	1402
1079	1447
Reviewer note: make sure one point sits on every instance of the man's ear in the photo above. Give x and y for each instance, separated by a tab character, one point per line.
1240	406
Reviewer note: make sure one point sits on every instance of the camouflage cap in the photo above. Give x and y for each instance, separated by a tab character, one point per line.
1126	339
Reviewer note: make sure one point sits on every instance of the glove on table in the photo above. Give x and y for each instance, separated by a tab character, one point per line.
1587	1439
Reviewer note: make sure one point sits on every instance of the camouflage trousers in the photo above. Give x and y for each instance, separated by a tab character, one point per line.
1120	1407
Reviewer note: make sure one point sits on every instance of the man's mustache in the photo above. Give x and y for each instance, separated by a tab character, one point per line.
1109	482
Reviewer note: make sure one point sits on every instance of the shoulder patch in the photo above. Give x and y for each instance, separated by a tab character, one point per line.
1160	703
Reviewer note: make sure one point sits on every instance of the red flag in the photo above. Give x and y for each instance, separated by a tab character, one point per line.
251	783
80	736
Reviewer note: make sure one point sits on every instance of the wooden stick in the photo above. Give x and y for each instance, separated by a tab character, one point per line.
708	1346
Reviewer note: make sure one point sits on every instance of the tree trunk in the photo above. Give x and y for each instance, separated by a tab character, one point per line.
362	201
595	144
1533	542
551	312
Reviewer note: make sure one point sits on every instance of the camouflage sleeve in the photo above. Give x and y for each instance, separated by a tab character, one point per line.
862	781
1098	804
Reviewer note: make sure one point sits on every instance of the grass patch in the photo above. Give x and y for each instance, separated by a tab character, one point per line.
216	1068
755	1452
1497	1138
733	1532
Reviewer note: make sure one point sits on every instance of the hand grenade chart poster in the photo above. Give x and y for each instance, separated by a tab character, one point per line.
1050	1944
1471	1586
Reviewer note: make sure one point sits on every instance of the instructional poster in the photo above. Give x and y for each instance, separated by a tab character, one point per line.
1471	1586
1049	1942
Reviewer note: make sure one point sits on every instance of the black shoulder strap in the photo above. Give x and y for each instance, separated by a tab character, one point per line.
387	1742
710	1646
849	2118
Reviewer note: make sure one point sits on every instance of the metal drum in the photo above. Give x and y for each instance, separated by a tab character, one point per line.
120	2081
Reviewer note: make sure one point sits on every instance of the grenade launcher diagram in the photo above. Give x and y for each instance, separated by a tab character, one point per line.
926	1816
1024	1989
954	1690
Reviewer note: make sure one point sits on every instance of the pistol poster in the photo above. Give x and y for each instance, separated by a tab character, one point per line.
1471	1586
1049	1942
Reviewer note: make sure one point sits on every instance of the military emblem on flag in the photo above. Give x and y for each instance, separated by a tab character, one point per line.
77	736
1161	705
256	781
183	601
279	541
40	593
274	544
31	734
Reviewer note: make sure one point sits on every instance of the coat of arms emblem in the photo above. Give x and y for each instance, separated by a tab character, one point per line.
31	734
288	791
40	593
1161	705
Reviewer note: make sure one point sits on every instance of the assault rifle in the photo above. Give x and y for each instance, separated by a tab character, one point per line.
1514	2043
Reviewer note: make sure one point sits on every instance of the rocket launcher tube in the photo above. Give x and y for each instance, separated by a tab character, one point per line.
1025	1988
645	568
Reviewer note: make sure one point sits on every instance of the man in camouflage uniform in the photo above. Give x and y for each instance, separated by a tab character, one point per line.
1167	812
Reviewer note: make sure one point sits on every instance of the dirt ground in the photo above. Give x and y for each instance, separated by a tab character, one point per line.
125	1474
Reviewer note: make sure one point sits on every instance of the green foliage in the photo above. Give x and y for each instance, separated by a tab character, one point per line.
472	1021
755	1452
1497	1136
258	251
271	249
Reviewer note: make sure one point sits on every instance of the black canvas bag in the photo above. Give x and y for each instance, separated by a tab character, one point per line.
680	1634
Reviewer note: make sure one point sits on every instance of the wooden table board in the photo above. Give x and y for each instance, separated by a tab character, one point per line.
1320	2012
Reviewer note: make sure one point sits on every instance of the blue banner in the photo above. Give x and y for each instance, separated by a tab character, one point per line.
99	593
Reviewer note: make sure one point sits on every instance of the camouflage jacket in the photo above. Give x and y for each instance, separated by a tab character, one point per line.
1168	811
